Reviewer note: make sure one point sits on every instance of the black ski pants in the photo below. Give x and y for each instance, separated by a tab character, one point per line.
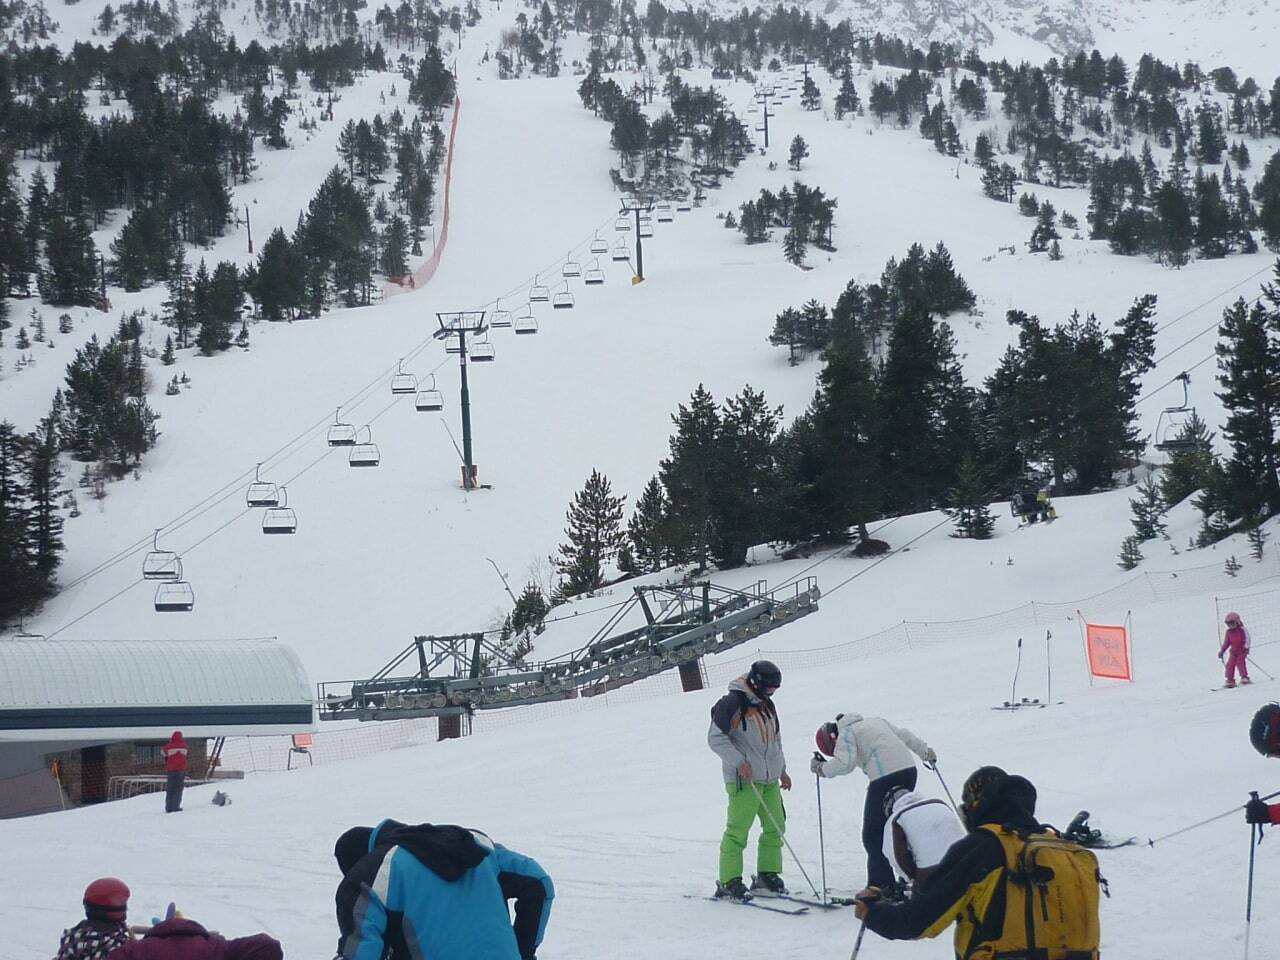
879	870
173	784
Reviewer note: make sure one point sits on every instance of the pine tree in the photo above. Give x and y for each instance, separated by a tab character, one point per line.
18	586
1232	566
688	477
645	529
798	152
594	533
1174	228
166	357
793	244
1044	232
1267	193
1130	553
787	333
742	498
23	342
1191	466
178	311
847	101
1249	364
968	503
810	97
72	275
44	488
530	611
1148	511
1257	541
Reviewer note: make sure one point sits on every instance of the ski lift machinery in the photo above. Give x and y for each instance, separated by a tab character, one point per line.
1172	421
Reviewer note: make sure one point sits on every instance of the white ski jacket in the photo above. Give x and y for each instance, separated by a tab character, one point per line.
919	833
874	746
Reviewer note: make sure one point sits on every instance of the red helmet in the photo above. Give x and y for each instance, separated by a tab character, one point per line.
826	739
106	899
1233	619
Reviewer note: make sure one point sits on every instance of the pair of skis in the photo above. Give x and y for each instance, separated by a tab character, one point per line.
803	904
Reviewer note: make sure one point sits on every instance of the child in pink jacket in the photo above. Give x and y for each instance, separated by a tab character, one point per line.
1236	641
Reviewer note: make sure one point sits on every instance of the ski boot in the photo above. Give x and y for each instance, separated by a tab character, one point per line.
1079	831
733	889
1244	680
768	883
1229	684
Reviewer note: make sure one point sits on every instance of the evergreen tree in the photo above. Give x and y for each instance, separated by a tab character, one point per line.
1249	372
688	477
44	488
1044	233
395	248
787	333
969	503
1213	220
1148	511
278	287
847	101
23	342
793	244
594	533
1174	229
1257	541
799	150
742	499
810	96
178	310
166	357
71	278
1130	553
530	611
645	529
18	586
1191	466
1267	193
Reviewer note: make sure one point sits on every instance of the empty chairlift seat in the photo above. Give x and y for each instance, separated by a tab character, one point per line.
563	299
599	245
594	275
341	434
261	493
646	230
282	518
571	268
538	293
175	596
453	343
622	224
500	319
525	324
365	454
429	399
161	564
621	251
482	352
402	382
665	214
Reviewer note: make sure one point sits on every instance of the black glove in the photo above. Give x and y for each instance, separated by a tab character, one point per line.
1257	811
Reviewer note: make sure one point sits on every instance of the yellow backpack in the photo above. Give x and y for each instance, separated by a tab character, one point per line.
1051	892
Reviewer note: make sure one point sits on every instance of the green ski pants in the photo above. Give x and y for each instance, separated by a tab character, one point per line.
745	805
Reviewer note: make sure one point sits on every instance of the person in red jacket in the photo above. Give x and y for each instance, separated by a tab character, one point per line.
106	903
175	768
182	939
1264	734
1237	641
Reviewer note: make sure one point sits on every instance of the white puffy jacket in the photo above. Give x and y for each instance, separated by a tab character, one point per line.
919	833
874	746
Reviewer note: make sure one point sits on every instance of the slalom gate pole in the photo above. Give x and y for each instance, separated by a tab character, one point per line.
857	944
1013	697
1255	832
934	768
1204	823
783	834
822	846
1255	664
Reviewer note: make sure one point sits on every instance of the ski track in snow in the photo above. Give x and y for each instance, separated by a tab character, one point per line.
622	801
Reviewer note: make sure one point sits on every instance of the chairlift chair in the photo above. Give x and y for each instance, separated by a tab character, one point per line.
482	352
620	251
563	299
453	343
161	564
665	215
622	225
683	206
594	275
500	318
1173	420
525	324
599	245
261	493
403	382
429	399
341	434
646	230
365	454
538	293
175	596
572	268
280	519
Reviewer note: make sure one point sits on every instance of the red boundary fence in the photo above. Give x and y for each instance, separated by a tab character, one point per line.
422	276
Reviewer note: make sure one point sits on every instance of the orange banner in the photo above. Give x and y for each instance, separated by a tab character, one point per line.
1108	651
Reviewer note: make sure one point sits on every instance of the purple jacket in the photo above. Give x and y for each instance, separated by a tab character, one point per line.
186	940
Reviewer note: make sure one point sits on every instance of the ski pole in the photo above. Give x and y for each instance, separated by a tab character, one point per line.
1255	663
1203	823
934	768
1255	831
783	834
857	944
822	846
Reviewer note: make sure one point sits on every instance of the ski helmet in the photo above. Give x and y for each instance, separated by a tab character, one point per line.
106	899
892	798
826	738
976	786
1233	619
1264	730
764	674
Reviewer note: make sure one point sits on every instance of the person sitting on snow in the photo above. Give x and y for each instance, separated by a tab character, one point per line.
918	834
106	902
437	892
883	752
1237	641
177	938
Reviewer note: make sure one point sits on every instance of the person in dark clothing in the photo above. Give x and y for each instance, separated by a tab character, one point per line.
175	769
106	904
182	939
1264	734
968	886
439	892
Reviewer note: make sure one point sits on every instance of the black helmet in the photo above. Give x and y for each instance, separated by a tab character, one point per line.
1264	730
764	673
974	788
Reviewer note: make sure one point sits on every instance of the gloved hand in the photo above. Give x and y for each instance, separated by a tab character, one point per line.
1221	654
863	900
930	757
1257	811
744	770
816	765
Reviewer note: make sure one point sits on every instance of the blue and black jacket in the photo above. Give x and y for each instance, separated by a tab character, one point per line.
440	893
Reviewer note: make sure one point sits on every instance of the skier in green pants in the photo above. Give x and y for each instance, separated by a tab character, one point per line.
746	735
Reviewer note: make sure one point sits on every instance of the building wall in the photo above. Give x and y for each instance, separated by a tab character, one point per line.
86	773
